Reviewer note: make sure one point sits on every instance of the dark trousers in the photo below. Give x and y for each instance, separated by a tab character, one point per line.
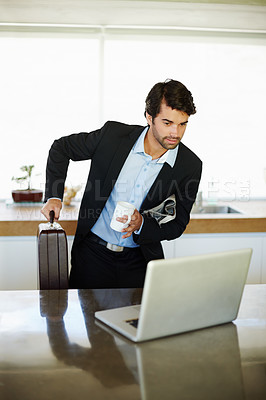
94	267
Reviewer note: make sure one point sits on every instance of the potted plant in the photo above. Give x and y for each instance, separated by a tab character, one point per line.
29	194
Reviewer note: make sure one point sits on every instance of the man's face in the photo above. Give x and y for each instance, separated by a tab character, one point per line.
168	127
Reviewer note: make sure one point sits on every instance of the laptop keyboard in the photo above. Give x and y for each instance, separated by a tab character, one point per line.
133	322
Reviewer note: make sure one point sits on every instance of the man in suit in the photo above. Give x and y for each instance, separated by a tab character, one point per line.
137	164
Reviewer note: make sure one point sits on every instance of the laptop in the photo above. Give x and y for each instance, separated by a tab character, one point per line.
184	294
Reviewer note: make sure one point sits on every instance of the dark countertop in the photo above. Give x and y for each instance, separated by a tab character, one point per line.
51	347
23	220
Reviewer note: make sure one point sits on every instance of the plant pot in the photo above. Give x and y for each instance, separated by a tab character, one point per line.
33	195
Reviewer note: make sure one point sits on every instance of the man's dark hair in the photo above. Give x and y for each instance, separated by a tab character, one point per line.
175	94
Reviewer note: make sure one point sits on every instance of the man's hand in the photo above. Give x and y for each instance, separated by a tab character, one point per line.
52	204
134	225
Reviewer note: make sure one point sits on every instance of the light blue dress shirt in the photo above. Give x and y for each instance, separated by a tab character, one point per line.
133	184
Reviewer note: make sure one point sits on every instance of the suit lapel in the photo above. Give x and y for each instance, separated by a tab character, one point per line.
165	184
158	191
123	149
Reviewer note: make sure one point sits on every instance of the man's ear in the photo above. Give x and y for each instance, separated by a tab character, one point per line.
148	118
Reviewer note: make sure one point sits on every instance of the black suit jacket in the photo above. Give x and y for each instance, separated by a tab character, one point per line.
108	149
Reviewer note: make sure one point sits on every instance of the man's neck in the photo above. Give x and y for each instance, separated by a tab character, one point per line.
152	147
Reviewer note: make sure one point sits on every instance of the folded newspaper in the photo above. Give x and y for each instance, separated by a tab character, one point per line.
164	212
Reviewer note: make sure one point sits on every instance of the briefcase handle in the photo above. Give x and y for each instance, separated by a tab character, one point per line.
51	225
51	216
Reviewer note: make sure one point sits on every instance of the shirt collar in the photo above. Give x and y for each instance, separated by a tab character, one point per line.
169	156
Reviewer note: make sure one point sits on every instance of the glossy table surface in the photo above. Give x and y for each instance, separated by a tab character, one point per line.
52	347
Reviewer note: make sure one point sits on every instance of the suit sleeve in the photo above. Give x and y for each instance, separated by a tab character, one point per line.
74	147
185	194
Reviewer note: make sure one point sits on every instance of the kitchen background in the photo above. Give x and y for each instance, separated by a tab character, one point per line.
69	66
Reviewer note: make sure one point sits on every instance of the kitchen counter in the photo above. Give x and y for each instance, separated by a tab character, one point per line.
23	220
52	347
251	218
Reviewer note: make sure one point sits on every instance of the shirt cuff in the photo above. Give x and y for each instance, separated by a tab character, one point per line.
139	230
54	198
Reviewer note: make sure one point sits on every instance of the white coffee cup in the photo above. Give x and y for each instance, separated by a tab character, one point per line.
122	208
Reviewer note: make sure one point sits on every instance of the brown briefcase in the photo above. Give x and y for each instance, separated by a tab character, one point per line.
53	256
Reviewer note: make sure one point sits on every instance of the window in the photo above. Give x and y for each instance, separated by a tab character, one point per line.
49	88
56	85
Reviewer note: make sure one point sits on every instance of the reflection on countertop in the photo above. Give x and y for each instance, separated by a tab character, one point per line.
52	345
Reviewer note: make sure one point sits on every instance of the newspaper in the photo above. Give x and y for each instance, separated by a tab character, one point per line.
164	212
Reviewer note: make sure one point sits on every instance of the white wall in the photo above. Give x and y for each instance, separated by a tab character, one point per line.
19	255
19	262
